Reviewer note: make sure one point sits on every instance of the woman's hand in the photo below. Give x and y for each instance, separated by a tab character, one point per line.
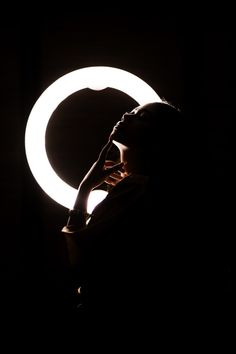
116	176
101	170
97	174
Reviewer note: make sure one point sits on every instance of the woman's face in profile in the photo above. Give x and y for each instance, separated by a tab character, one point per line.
133	128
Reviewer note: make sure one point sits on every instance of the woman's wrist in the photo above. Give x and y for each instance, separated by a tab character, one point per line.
77	220
82	199
78	213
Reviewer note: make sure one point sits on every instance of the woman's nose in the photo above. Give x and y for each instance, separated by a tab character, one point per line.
126	116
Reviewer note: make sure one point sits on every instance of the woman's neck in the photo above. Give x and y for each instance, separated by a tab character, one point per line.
135	162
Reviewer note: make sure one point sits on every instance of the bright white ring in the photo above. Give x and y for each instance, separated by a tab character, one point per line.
96	78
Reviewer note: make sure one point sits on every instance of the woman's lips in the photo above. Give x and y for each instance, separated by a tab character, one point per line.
119	124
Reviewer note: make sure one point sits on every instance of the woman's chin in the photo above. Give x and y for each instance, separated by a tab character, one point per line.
117	138
121	146
115	142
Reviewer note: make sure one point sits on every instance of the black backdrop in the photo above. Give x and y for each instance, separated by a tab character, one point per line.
189	62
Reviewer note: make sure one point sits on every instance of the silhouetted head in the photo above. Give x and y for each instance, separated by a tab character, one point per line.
157	130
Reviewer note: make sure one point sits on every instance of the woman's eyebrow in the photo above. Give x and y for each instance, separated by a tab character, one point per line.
144	111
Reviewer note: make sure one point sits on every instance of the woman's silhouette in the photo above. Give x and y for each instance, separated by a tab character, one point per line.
136	254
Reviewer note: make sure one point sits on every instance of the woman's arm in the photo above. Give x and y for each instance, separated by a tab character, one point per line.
96	175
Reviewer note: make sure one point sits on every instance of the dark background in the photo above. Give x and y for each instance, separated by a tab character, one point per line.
187	60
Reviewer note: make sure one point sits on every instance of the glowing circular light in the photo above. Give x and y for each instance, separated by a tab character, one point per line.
95	78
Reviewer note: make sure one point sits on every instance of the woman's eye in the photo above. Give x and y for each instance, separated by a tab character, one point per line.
141	115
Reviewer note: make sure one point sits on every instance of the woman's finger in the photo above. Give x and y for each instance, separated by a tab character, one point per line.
115	168
110	180
115	176
109	163
104	151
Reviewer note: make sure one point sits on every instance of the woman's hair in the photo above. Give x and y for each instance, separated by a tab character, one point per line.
171	143
169	128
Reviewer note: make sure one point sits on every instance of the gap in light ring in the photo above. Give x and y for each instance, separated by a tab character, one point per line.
95	78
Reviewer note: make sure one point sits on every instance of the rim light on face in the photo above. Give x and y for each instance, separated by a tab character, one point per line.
95	78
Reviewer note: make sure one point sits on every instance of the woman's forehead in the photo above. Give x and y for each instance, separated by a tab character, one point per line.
149	108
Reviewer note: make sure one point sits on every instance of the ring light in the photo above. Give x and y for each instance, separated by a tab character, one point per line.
95	78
